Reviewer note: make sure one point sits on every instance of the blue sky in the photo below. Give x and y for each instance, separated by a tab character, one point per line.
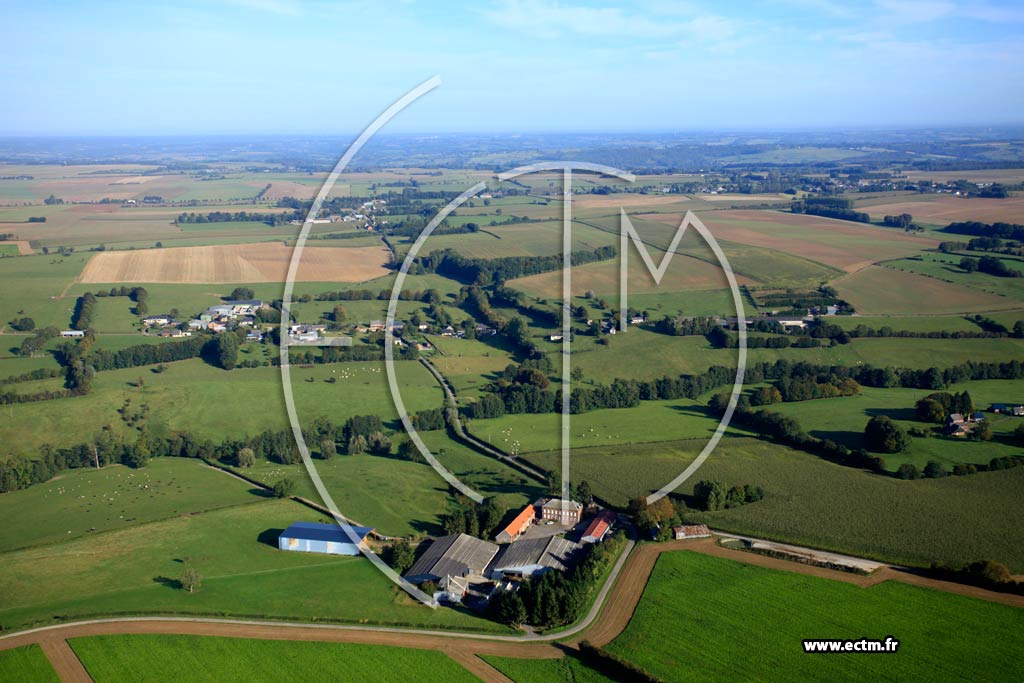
298	66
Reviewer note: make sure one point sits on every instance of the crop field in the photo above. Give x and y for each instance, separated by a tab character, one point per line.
136	570
813	502
236	263
843	421
9	249
910	323
201	399
713	638
565	670
883	291
88	502
946	267
840	244
26	665
146	657
942	210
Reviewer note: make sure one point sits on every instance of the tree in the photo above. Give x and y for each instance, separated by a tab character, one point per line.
982	431
190	579
227	350
338	315
24	324
356	444
934	470
245	457
765	396
710	495
284	488
407	451
141	308
507	607
908	471
328	449
930	410
242	294
885	436
400	555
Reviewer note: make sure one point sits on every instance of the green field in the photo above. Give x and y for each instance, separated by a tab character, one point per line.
812	502
86	502
198	658
565	670
946	267
136	571
26	665
695	623
843	421
198	398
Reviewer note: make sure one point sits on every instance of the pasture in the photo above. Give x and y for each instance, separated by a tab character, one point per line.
136	570
212	403
813	502
264	262
876	290
150	657
88	502
946	267
717	638
568	669
26	665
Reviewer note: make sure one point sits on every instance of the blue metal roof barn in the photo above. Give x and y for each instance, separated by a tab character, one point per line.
313	537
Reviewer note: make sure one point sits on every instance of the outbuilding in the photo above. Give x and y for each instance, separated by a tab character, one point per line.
330	539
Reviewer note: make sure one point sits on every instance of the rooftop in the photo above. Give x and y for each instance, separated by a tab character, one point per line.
316	531
555	552
453	555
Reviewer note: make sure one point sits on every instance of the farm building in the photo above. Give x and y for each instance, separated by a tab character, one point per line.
517	526
330	539
998	408
524	559
599	527
73	334
691	531
567	512
457	555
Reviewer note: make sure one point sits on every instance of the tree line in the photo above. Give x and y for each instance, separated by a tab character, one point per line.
468	270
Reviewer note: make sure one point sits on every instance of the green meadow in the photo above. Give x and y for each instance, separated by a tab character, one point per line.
717	638
26	665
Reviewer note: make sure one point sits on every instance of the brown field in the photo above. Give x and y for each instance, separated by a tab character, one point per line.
990	175
289	188
883	291
264	262
842	244
23	247
947	209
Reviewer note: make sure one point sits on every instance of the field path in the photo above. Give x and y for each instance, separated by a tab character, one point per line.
64	660
608	617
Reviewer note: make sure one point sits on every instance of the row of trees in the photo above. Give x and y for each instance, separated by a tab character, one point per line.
990	265
1006	231
487	271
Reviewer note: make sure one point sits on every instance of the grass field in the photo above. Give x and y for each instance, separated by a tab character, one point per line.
946	267
30	282
565	670
212	403
147	657
398	497
813	502
136	570
26	665
884	291
694	623
843	421
85	502
942	210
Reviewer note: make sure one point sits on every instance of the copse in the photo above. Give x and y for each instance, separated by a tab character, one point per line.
885	436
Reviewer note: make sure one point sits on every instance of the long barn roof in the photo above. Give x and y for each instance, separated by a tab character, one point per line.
315	531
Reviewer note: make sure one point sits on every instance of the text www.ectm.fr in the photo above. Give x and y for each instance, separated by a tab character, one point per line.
888	644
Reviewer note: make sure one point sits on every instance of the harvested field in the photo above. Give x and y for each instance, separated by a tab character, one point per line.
266	262
843	244
947	209
21	245
884	291
289	188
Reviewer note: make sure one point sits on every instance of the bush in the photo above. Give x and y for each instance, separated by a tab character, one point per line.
284	488
24	324
885	436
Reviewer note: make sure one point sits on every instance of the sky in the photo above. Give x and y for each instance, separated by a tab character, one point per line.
317	67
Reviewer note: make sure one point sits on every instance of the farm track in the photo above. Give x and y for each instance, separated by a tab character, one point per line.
611	613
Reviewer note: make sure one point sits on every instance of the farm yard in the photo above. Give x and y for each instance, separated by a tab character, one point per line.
677	638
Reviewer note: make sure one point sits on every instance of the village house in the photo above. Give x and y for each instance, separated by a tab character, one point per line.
564	512
598	527
151	320
517	526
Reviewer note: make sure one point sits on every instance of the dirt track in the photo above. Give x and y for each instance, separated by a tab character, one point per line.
463	648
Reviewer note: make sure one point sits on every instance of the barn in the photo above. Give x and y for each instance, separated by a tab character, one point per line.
330	539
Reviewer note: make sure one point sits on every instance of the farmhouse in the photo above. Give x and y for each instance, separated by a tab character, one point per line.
528	558
330	539
566	512
457	555
599	527
691	531
1017	411
73	334
517	526
161	320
